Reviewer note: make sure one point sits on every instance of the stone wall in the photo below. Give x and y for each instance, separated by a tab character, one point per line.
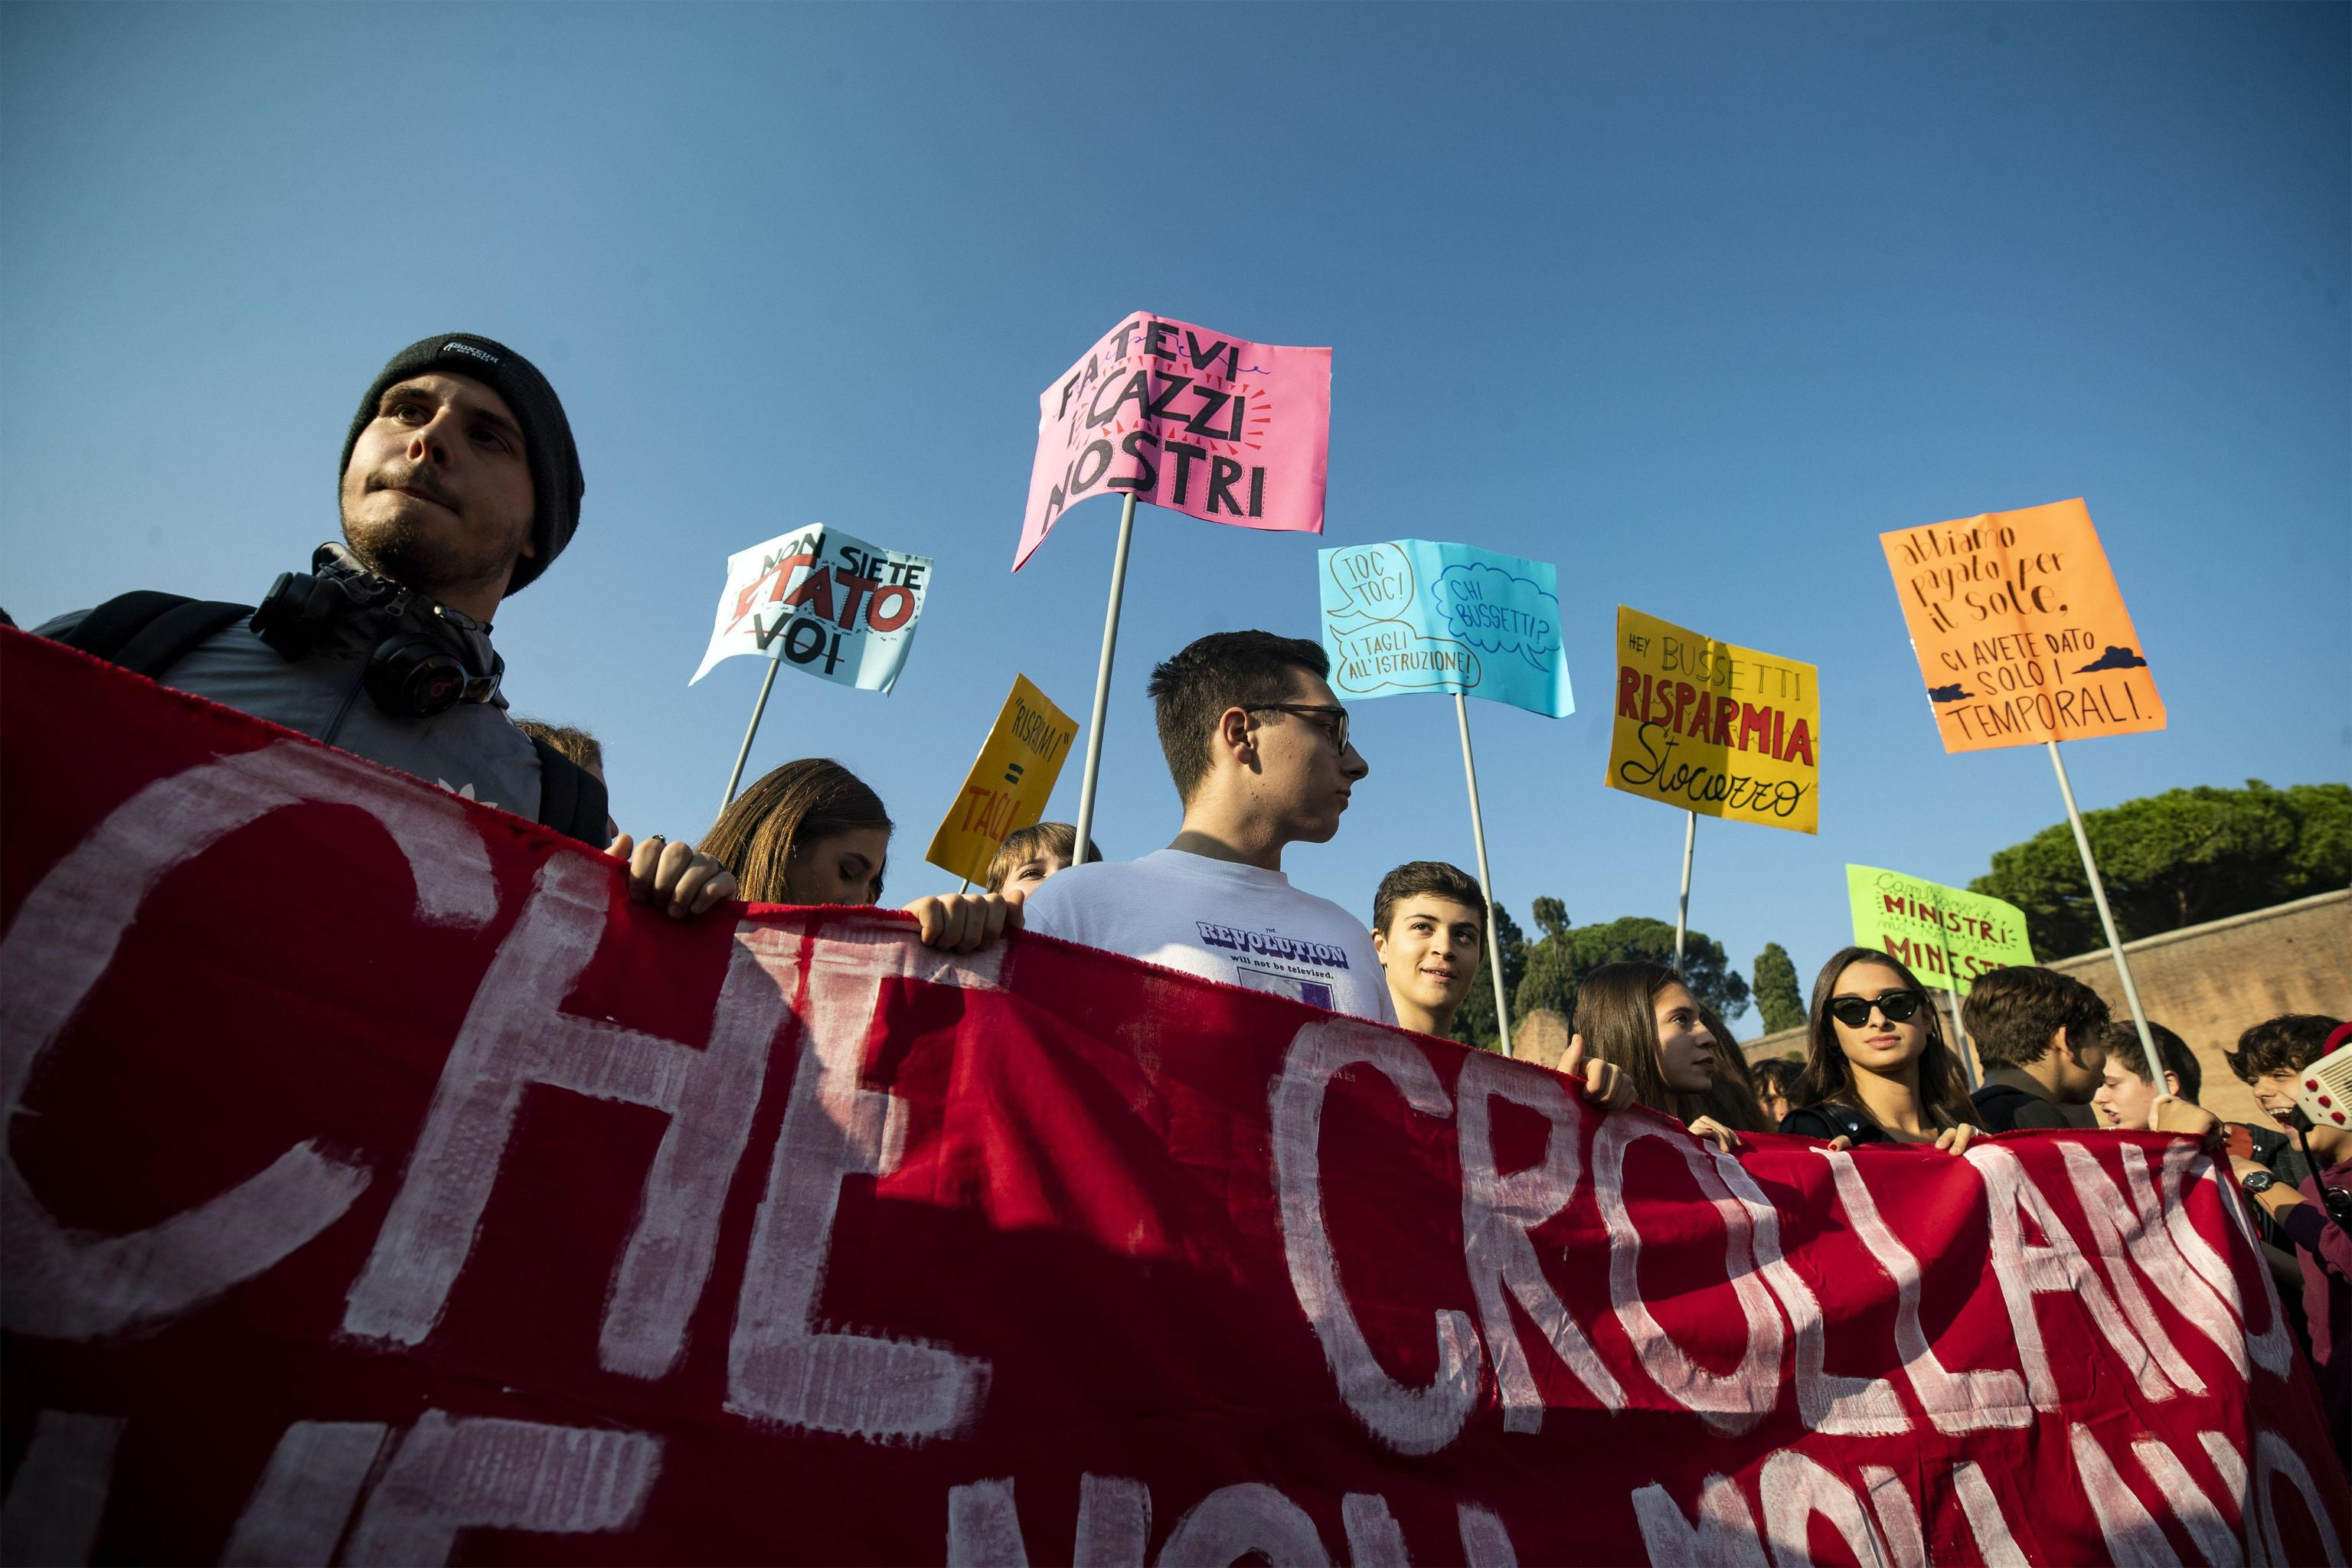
2207	982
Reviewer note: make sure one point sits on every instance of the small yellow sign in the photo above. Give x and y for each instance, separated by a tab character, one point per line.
1008	787
1713	728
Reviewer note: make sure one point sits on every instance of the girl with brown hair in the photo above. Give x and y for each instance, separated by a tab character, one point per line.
811	832
1640	1016
1877	1067
1733	1101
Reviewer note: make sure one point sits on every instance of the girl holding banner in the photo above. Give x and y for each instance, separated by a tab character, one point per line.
812	832
1642	1017
1877	1069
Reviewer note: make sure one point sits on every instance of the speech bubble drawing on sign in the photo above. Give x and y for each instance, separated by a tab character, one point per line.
1375	579
1373	651
1505	615
1417	615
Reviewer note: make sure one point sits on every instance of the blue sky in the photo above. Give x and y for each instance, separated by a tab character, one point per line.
1694	301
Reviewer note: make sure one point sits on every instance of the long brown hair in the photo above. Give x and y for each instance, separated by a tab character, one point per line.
1732	1102
1829	1077
787	810
1617	1014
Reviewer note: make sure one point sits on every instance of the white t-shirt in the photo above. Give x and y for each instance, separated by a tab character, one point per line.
1220	920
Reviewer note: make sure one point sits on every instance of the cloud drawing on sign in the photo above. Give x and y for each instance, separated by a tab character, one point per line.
2115	658
1951	693
1372	650
1489	609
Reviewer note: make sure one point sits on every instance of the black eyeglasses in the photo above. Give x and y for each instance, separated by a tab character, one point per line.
1898	1006
1331	720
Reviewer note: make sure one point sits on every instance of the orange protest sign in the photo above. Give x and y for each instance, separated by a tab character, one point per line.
2020	631
1008	785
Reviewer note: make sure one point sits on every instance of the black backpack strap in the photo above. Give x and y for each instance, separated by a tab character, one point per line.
148	632
571	800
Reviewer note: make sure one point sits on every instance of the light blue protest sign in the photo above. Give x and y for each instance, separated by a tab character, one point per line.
1414	615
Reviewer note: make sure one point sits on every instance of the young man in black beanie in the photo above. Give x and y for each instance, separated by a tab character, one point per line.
459	485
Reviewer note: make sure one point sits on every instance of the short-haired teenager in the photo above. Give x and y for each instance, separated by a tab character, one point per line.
1877	1067
1030	855
2130	1083
569	740
1257	747
1429	927
580	747
2037	1033
1776	1080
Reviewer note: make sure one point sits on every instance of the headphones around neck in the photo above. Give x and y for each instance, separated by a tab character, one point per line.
411	674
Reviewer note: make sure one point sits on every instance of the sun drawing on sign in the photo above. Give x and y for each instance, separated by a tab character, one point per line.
1261	413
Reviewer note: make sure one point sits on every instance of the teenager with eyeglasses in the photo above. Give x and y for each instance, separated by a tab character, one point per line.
1257	747
1877	1069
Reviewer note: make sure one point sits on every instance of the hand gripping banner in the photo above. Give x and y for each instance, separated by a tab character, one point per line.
380	1186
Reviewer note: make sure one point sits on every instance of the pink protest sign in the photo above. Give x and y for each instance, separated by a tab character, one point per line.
1189	419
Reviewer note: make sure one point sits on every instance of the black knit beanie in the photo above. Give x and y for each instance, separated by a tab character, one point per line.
555	482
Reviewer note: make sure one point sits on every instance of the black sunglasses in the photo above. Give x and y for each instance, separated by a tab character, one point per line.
1898	1006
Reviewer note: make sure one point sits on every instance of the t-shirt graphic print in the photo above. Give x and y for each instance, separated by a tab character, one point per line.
1240	924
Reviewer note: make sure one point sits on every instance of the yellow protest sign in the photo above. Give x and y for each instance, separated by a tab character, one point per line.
1714	728
1008	787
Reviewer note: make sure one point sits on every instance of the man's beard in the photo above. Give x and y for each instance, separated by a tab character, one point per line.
407	548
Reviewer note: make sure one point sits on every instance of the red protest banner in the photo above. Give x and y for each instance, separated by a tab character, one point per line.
380	1186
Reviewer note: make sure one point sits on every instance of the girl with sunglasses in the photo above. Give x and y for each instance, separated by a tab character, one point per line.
1877	1067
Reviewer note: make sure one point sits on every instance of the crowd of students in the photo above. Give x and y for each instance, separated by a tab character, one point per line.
459	485
1258	750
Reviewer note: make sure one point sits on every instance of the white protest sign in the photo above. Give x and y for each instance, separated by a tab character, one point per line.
825	602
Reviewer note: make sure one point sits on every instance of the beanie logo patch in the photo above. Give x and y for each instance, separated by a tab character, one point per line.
454	346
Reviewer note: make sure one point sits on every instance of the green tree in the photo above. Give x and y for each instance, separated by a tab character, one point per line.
1475	1024
1557	965
2175	859
1777	997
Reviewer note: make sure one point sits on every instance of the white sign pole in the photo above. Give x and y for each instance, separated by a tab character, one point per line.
757	708
1485	881
1086	824
2106	917
1682	910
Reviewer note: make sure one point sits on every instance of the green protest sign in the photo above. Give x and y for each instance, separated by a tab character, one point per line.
1945	936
